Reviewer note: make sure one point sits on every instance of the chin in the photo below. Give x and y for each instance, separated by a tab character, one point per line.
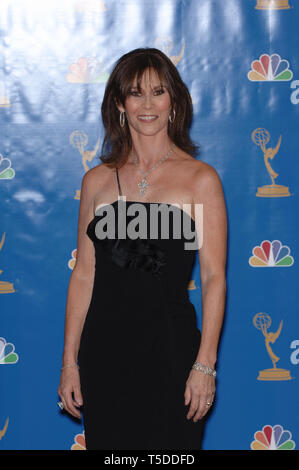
150	131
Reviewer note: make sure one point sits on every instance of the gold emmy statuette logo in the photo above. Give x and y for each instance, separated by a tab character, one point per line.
79	140
272	4
5	287
166	46
261	137
262	321
3	431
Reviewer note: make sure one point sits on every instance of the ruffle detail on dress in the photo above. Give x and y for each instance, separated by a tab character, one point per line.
137	254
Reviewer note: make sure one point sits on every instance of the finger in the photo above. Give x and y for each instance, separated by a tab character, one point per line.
193	407
211	399
73	410
201	411
69	409
78	397
187	395
63	402
204	406
70	405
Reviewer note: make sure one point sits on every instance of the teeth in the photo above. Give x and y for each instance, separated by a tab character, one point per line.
147	118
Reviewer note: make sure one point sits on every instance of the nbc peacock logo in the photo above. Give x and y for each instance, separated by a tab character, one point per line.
7	352
270	68
271	255
273	438
71	263
79	443
6	172
87	70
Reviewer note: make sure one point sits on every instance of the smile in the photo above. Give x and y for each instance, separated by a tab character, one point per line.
147	118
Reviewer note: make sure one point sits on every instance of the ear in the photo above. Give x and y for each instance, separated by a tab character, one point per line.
119	106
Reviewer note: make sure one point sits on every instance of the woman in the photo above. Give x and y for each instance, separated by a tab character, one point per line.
146	378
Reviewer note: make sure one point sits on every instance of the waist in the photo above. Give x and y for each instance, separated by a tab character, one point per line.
181	308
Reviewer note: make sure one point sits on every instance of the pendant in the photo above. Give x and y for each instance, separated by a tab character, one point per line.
143	185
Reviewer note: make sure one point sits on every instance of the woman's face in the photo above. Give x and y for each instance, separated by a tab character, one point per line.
148	111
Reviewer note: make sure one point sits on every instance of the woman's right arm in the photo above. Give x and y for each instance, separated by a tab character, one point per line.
78	300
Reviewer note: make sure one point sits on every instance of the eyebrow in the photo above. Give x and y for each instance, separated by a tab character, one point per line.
154	88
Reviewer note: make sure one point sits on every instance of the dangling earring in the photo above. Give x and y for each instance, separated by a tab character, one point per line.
122	118
172	117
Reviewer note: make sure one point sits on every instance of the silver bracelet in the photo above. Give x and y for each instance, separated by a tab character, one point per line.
205	369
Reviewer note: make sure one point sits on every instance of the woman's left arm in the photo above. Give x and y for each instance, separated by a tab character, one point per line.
200	388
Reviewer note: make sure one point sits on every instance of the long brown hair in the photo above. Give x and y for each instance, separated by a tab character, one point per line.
117	142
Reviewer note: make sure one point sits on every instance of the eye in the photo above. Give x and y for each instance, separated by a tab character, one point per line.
159	92
134	93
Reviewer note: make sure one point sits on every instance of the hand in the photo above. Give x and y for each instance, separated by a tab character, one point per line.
69	385
200	390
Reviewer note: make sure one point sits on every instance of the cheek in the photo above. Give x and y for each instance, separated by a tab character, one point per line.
130	106
165	104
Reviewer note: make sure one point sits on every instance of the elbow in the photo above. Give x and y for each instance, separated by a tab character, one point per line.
86	275
215	278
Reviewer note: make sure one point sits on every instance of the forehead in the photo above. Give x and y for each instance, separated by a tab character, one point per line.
149	77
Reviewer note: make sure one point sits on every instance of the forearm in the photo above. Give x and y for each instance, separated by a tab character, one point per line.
78	301
213	305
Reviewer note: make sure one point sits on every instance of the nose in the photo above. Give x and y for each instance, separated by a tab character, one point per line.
147	100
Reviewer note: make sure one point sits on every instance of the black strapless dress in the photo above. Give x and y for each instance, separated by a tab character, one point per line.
139	342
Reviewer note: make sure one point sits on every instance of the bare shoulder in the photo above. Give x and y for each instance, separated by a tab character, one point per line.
94	178
203	171
201	179
199	169
205	180
99	171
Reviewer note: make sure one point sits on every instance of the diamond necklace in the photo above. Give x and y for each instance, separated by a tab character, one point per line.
144	184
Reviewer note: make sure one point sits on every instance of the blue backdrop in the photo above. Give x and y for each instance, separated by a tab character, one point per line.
239	59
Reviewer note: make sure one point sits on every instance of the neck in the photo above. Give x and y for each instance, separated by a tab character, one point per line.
148	150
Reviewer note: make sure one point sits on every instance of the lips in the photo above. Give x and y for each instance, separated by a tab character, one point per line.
147	118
